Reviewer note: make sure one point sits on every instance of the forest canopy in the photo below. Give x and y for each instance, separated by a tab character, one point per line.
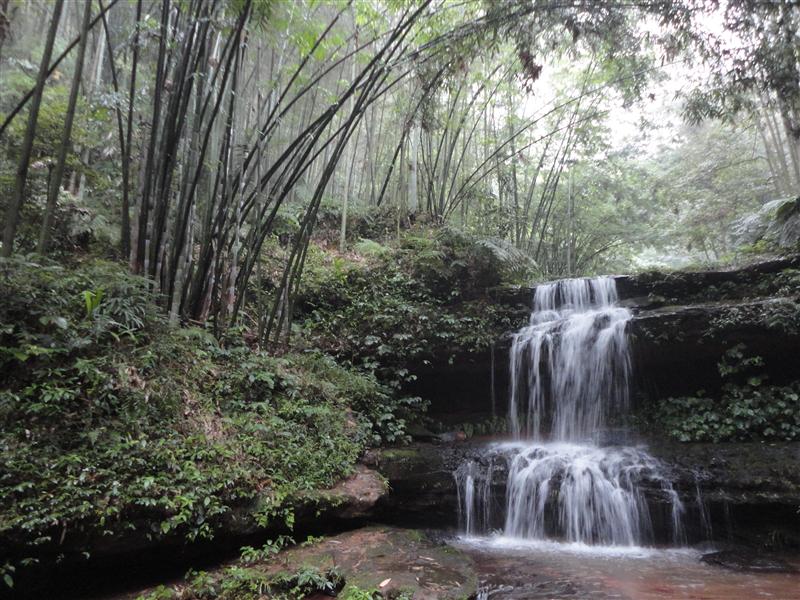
190	136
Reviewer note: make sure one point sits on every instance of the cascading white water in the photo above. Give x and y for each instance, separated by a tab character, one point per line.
574	353
584	493
474	485
569	369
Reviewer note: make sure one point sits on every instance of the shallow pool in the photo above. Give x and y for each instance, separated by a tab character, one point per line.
521	569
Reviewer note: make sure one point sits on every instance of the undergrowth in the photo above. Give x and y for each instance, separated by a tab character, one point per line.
747	408
422	300
114	424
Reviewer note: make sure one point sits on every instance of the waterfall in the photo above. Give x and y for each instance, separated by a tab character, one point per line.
569	371
473	482
574	354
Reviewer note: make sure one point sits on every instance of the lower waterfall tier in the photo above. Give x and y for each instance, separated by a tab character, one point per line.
571	492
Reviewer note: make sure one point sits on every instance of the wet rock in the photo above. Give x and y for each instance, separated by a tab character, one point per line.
736	473
395	561
420	434
676	349
354	497
684	322
508	582
654	288
702	286
451	436
421	481
746	491
744	560
739	472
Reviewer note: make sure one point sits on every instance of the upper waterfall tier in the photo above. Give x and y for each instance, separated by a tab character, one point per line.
570	366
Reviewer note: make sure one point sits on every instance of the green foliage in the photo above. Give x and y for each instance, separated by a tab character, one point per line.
703	185
249	555
162	592
114	424
251	583
92	300
785	283
7	571
780	315
773	227
425	302
745	410
735	361
371	248
513	265
452	265
353	592
77	220
742	413
308	580
48	312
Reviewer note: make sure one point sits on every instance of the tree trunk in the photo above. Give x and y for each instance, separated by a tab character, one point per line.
69	118
777	144
348	187
125	224
5	24
12	216
95	79
52	68
413	200
514	186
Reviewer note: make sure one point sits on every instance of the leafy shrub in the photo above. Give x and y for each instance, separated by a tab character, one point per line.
249	555
307	580
451	264
742	413
372	248
353	592
249	583
746	409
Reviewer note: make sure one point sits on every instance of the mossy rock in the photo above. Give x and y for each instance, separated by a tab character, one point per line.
406	561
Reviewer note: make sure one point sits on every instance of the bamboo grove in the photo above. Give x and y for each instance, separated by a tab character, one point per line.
227	113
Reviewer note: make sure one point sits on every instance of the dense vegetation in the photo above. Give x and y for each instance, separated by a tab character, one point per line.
747	408
425	297
114	424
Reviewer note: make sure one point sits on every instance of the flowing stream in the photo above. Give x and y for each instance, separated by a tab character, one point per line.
569	372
